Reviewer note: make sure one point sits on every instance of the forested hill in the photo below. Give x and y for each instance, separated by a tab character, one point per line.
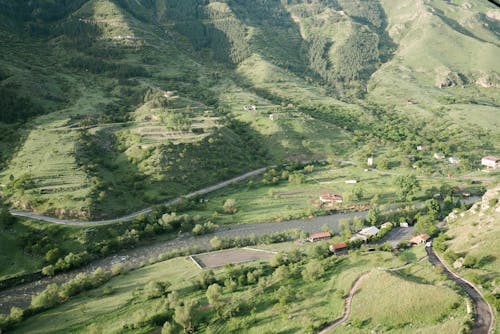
108	105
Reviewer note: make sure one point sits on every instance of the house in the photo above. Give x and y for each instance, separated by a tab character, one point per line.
386	225
439	156
420	147
273	117
351	181
319	236
338	248
369	231
330	198
491	162
453	160
369	162
419	239
403	224
250	107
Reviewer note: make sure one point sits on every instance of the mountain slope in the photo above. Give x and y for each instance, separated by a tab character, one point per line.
110	105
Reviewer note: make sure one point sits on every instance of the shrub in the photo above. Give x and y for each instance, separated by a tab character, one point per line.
230	206
470	261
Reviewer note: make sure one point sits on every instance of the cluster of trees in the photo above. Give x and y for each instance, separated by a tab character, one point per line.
16	108
222	243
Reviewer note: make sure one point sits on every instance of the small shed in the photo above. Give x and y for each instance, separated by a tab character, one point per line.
403	224
273	117
453	160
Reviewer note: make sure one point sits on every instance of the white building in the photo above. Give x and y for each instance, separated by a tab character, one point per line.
491	162
453	160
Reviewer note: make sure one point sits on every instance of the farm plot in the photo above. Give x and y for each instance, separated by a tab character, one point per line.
239	255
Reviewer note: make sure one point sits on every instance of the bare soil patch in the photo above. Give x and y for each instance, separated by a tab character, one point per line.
231	256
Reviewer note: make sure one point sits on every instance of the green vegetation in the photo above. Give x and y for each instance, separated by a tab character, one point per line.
254	297
470	246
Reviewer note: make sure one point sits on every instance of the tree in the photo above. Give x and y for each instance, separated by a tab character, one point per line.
433	207
47	298
230	206
16	313
281	273
6	219
357	194
206	278
313	271
373	216
214	292
216	243
167	328
408	185
345	226
48	270
184	315
357	223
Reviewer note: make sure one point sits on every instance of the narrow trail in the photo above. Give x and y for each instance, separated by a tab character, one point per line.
134	215
483	314
348	301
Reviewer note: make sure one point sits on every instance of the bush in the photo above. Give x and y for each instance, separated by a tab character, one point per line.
470	261
230	206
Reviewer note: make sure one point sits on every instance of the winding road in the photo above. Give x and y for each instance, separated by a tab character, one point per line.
483	314
32	215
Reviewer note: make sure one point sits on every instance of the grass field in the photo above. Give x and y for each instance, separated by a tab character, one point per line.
285	200
388	303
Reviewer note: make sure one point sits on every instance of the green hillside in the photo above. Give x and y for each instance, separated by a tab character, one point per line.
109	106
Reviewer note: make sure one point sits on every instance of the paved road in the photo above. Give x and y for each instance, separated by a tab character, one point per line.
348	302
134	215
21	295
483	314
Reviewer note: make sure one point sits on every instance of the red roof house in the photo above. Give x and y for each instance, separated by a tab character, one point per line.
337	248
319	236
419	239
